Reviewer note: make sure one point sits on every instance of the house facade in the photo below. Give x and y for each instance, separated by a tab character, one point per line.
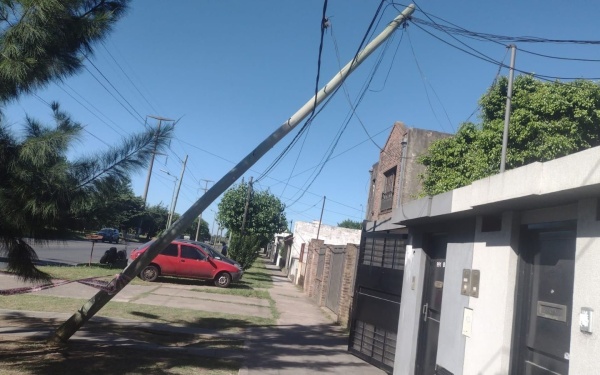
394	179
501	276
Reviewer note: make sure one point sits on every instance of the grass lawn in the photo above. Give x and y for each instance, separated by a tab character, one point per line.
165	352
34	357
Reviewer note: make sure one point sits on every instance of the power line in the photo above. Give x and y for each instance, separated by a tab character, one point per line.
89	110
129	79
324	25
141	118
425	82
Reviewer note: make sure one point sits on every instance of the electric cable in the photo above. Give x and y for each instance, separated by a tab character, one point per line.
128	78
424	80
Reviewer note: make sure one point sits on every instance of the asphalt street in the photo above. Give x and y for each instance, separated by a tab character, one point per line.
76	252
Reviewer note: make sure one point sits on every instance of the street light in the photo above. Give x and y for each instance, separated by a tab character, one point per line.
172	207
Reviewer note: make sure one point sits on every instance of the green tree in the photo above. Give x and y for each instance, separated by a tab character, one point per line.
115	206
203	234
265	216
351	224
44	40
42	192
548	120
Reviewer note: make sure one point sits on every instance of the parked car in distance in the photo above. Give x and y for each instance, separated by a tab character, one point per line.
185	258
217	255
109	235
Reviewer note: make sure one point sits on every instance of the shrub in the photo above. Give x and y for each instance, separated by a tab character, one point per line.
244	249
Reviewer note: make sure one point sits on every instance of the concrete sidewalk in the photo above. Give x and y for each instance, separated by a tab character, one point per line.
304	341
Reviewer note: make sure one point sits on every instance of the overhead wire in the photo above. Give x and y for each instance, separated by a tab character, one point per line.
128	78
425	81
316	113
139	117
324	25
342	129
116	130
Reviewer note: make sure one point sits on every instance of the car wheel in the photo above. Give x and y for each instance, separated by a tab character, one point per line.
223	280
150	273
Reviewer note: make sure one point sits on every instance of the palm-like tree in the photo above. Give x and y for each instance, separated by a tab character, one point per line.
41	190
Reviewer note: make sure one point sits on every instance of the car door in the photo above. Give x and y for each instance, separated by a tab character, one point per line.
194	263
168	259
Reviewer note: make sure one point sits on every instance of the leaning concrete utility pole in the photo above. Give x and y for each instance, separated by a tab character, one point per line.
91	307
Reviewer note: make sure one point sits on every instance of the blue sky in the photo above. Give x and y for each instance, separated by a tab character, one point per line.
234	71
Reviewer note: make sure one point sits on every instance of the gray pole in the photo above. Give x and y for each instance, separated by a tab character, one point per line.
170	216
200	215
160	120
513	52
178	188
91	307
321	218
247	204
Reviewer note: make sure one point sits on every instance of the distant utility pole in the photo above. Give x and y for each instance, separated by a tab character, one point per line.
200	216
247	204
177	195
321	218
160	120
513	52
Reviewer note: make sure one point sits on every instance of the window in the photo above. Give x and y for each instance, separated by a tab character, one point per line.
170	250
189	252
387	197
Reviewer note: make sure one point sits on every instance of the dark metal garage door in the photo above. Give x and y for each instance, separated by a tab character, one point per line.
376	305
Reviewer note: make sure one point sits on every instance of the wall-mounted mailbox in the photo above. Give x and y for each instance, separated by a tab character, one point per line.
470	283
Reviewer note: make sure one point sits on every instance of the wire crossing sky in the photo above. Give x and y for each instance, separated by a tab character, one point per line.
233	71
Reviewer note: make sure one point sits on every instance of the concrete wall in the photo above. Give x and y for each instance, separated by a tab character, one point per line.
487	351
304	232
585	347
317	288
563	189
410	310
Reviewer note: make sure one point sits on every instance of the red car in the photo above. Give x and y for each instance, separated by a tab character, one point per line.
185	258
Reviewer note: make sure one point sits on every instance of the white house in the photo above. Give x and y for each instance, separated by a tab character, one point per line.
501	276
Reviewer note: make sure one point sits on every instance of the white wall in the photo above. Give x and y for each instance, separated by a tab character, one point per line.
410	311
585	347
306	231
487	351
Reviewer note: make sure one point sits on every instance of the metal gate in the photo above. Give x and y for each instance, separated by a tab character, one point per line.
377	291
319	276
336	275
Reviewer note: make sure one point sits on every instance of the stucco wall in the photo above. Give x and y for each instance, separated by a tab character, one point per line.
304	232
487	351
410	310
585	347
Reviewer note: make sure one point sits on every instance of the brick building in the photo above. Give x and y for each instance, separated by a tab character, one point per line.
395	177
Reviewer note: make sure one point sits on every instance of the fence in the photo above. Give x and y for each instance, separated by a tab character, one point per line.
329	277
